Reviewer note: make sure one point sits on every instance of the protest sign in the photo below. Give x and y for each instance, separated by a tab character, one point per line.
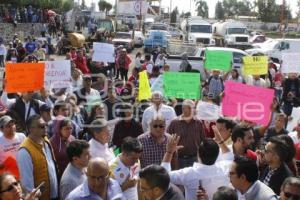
290	63
208	111
24	77
144	86
57	74
295	118
215	59
182	85
246	102
255	65
103	52
158	84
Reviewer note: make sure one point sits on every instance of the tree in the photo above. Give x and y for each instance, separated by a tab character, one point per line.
269	11
202	9
83	6
108	7
174	14
104	6
67	5
219	11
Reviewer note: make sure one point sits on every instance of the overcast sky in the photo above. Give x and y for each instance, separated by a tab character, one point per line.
184	5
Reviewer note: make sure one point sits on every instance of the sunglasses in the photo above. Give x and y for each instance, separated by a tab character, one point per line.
11	187
158	125
289	195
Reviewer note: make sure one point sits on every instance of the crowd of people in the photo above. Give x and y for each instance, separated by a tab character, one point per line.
26	14
97	140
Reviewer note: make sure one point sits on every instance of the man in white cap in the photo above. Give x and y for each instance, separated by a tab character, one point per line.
10	142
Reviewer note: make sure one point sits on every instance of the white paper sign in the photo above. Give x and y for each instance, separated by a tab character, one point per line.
133	7
295	117
208	111
103	52
290	63
57	74
158	84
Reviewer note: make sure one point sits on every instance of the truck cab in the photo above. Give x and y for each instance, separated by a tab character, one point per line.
197	31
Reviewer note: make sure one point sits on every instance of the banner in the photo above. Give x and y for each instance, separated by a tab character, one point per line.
182	85
290	63
57	74
24	77
208	111
295	118
255	65
103	52
144	86
246	102
215	59
132	7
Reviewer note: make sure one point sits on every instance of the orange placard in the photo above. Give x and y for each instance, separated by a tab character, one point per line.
24	77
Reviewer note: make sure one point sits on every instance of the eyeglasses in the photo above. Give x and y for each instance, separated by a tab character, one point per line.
289	195
100	178
158	125
11	187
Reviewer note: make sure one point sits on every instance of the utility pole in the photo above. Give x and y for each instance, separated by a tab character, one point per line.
282	24
170	11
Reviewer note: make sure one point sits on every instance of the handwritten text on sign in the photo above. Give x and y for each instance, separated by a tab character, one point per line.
247	102
103	52
24	77
57	74
255	65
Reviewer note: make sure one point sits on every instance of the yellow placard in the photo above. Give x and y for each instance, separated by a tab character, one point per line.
255	65
144	86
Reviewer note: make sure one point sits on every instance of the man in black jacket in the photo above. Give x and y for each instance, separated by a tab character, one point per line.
277	171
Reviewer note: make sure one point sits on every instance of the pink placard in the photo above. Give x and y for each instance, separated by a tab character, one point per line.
247	102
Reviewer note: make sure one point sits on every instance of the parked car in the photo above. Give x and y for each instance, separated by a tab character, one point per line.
258	39
175	33
138	38
275	48
125	39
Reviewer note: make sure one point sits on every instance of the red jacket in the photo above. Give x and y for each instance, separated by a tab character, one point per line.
126	63
81	64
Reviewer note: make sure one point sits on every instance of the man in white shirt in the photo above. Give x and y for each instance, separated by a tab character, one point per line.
126	166
98	184
295	135
99	142
156	108
212	174
10	142
244	178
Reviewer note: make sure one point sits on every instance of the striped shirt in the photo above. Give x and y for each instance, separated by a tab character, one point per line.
191	134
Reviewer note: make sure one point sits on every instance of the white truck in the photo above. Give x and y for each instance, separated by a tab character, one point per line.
231	34
197	31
